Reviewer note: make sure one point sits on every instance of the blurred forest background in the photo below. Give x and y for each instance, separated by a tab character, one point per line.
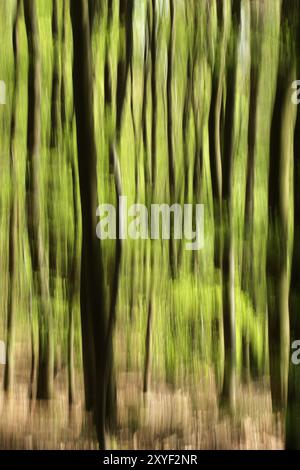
140	343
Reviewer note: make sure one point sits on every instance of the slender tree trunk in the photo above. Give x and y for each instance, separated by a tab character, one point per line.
13	222
185	143
147	172
33	361
153	94
74	282
34	208
137	140
185	124
147	364
277	244
256	52
292	438
248	275
277	247
63	104
95	10
228	298
55	264
171	161
55	103
198	166
214	131
197	113
126	8
151	306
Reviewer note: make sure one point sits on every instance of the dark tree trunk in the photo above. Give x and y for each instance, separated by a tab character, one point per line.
93	302
152	190
74	280
63	104
147	171
34	209
147	364
55	98
153	47
248	275
126	8
55	266
228	298
292	439
171	162
95	11
214	130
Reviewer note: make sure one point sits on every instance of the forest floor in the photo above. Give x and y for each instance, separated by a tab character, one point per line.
164	419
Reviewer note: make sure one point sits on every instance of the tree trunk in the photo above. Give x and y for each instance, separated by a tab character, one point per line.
292	438
153	47
248	282
93	302
214	120
248	275
74	281
55	104
124	58
228	390
152	190
171	162
34	208
13	221
277	245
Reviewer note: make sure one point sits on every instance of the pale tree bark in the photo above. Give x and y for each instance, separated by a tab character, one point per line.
13	221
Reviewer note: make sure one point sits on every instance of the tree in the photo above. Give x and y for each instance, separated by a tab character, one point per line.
247	275
215	134
73	287
171	158
255	57
228	297
34	206
153	48
126	9
150	195
92	290
293	402
13	222
292	437
277	244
